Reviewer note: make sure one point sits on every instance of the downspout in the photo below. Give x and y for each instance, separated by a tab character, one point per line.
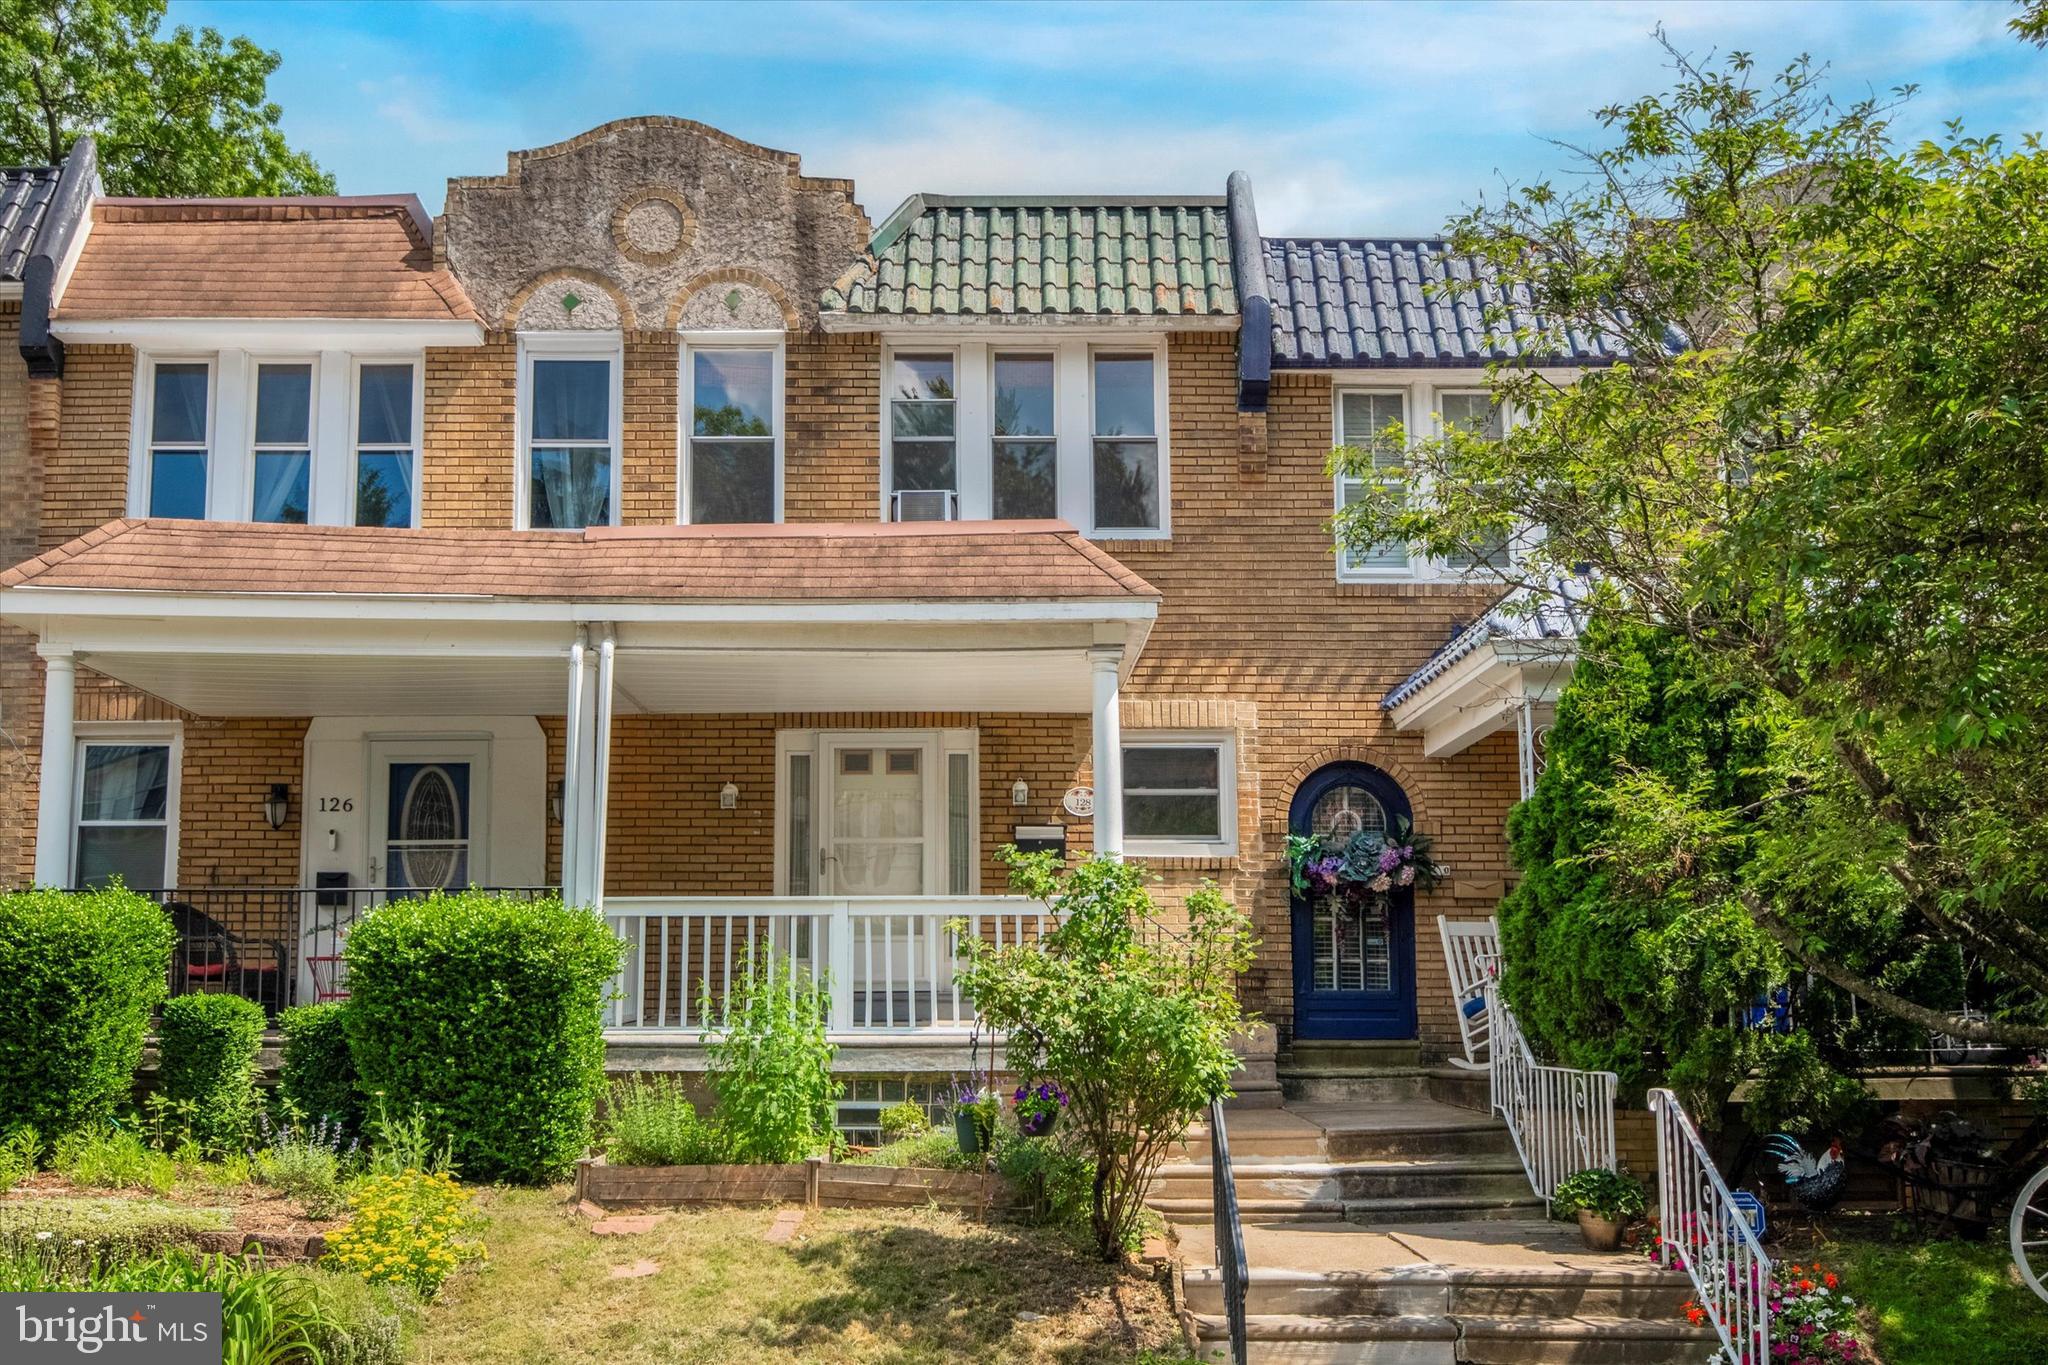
1254	296
62	231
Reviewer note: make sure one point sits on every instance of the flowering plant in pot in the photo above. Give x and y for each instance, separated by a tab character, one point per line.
1038	1108
1604	1202
975	1111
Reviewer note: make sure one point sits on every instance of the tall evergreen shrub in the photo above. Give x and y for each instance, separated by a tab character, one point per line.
80	972
483	1011
316	1075
206	1067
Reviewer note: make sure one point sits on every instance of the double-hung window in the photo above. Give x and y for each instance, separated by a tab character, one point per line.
734	415
180	419
924	455
572	440
1365	421
1126	443
1180	796
1024	447
282	448
126	806
1478	415
387	469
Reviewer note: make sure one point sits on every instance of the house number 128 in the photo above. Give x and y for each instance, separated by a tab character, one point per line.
336	803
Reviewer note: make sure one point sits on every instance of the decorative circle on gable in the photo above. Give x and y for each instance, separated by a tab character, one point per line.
653	226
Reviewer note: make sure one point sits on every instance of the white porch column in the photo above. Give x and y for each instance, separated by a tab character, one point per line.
60	752
600	766
572	773
1109	755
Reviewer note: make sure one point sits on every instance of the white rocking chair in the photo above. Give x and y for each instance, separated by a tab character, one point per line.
1472	956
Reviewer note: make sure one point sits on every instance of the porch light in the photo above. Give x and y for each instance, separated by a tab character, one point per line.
278	804
1020	792
555	801
729	796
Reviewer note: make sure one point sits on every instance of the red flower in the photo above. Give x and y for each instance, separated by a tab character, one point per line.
1830	1280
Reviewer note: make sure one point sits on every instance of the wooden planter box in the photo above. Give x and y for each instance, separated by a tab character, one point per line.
818	1183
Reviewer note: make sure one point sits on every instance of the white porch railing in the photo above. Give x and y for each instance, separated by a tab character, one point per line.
1703	1233
889	964
1561	1119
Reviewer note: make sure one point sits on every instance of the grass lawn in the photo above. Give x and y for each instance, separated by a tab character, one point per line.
905	1286
1942	1303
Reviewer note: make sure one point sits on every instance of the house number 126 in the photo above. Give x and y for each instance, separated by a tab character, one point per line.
336	803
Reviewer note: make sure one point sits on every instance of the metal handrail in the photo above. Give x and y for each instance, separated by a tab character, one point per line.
1560	1118
1700	1229
1230	1253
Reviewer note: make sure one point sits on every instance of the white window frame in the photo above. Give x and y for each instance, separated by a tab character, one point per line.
1060	403
354	446
1073	351
314	446
169	733
1225	743
607	346
1366	573
141	437
940	744
775	343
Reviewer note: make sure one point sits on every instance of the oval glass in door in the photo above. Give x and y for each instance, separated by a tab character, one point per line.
428	826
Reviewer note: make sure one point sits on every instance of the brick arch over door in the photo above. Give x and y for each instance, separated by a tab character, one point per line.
1275	815
697	284
570	275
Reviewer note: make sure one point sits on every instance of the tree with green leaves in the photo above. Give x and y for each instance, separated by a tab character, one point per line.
1820	469
183	114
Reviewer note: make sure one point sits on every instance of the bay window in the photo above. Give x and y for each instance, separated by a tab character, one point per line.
733	454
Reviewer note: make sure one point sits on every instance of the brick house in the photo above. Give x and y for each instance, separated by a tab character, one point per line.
653	526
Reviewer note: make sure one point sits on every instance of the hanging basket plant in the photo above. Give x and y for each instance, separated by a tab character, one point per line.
1365	867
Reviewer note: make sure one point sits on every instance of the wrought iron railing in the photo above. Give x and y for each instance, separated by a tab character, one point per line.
276	945
1231	1262
1561	1118
1703	1232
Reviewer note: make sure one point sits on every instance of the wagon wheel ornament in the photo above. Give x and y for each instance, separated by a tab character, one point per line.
2030	1232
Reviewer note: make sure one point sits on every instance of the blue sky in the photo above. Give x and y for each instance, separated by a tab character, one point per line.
1350	118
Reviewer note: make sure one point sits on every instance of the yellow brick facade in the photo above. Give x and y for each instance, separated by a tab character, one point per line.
1255	636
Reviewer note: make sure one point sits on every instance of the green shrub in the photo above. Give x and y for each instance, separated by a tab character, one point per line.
484	1011
111	1158
80	972
365	1324
19	1151
650	1122
206	1047
771	1066
407	1144
904	1120
103	1227
316	1078
934	1149
1057	1174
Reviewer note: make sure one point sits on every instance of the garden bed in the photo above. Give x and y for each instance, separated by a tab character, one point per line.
817	1183
236	1218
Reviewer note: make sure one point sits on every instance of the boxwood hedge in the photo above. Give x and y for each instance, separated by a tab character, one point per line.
80	972
206	1065
483	1010
316	1076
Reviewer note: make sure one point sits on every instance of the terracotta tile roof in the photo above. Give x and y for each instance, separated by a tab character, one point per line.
916	561
361	257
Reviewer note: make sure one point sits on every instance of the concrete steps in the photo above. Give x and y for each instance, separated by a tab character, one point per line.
1433	1339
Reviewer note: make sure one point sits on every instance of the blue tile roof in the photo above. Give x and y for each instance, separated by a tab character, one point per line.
1524	614
1367	302
25	193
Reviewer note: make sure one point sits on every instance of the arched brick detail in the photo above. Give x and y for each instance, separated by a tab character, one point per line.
697	284
1275	815
567	275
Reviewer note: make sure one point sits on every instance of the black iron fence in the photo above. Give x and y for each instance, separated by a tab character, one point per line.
277	946
1230	1252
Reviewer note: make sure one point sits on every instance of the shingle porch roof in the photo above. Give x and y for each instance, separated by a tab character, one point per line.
818	562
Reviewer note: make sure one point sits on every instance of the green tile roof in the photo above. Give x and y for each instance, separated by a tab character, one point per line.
976	257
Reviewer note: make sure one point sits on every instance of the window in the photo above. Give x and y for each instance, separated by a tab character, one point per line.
125	810
283	443
1479	415
386	471
179	413
571	459
1363	420
1126	444
923	444
1179	796
1024	448
733	402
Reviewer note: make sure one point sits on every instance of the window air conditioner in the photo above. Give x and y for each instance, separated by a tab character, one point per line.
926	504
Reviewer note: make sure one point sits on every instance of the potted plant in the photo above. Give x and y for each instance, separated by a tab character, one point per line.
1038	1108
975	1111
1604	1201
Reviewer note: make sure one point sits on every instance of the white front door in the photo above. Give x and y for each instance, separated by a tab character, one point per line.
877	836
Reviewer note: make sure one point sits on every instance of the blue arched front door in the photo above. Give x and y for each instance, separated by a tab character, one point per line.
1354	967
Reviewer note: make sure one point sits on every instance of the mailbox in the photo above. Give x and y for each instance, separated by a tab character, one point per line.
1040	839
330	890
